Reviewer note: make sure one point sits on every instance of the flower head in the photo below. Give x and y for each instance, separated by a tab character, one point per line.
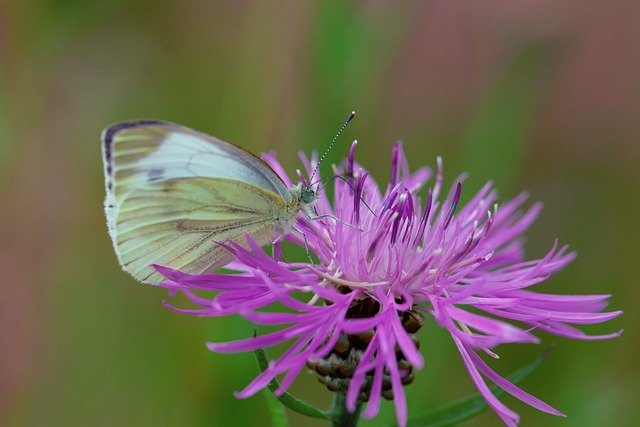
388	260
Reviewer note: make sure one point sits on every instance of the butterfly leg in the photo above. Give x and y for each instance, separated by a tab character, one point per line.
306	244
275	247
335	218
278	239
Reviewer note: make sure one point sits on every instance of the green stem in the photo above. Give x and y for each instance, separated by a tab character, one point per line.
340	417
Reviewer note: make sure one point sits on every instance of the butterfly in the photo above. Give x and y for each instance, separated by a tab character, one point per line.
173	193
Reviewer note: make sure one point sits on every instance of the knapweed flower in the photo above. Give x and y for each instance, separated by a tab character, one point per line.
387	261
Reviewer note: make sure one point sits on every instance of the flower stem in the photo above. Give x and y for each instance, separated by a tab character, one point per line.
341	417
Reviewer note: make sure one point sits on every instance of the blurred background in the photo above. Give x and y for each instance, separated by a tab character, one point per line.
537	95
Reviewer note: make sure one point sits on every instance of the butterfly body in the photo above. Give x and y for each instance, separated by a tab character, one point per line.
174	193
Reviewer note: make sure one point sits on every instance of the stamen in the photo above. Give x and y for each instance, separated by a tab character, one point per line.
438	185
404	211
395	154
408	211
453	206
358	195
390	199
399	217
351	160
339	281
425	218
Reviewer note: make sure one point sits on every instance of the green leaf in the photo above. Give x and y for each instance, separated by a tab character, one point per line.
278	414
287	399
468	407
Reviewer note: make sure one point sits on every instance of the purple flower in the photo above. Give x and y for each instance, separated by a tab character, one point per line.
390	261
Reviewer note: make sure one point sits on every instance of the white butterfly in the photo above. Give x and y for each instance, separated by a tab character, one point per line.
172	192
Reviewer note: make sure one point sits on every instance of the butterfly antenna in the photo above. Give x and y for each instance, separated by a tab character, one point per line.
335	138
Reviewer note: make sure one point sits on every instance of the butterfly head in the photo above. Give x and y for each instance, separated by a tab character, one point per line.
308	194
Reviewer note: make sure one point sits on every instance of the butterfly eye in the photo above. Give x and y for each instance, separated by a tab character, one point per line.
307	194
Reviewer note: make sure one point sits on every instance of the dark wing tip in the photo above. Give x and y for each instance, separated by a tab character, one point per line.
109	132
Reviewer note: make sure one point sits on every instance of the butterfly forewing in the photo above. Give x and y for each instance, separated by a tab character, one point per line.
173	192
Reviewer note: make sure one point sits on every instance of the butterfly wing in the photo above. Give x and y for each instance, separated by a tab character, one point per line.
173	192
176	223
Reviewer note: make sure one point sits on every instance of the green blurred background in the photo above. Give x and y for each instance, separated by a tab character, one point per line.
537	95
